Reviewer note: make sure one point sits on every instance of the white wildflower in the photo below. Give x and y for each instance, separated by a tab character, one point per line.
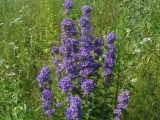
145	40
134	80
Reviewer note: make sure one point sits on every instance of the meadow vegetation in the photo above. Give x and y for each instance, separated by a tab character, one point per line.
29	29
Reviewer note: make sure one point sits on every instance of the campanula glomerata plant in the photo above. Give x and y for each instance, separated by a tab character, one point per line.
84	68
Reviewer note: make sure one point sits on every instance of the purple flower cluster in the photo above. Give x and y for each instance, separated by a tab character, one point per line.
69	50
44	81
86	10
77	60
68	4
59	105
84	20
90	50
123	99
65	84
55	51
47	96
74	111
68	28
77	63
110	56
87	86
44	78
98	47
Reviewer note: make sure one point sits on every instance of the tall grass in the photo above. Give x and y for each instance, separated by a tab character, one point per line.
29	28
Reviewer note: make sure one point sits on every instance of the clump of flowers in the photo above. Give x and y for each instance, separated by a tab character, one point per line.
123	99
74	111
110	59
44	81
90	50
87	86
68	4
65	84
78	62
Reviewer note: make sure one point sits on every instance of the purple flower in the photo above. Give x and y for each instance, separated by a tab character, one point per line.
96	65
56	60
49	112
65	84
87	86
98	51
110	59
90	48
98	42
71	45
86	42
86	63
44	81
62	49
84	21
117	118
111	37
59	105
123	99
86	9
118	111
47	94
107	71
84	52
47	105
86	71
45	70
55	50
68	27
44	77
68	4
74	111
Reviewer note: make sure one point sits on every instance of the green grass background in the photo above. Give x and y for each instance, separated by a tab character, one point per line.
29	28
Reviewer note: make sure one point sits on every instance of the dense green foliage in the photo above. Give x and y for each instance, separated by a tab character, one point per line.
29	28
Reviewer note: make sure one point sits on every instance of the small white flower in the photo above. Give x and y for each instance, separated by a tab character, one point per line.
137	50
134	80
145	40
7	66
12	74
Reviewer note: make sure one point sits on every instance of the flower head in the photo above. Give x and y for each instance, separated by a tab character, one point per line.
74	111
87	86
123	99
47	94
68	27
68	4
49	112
59	105
44	77
111	37
86	9
55	50
47	105
65	84
110	59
